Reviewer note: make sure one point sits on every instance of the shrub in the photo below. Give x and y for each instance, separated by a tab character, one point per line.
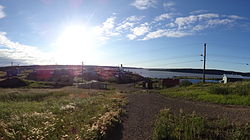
173	127
193	127
219	90
241	90
185	83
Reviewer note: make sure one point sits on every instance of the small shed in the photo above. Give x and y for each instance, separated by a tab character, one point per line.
148	84
170	82
231	78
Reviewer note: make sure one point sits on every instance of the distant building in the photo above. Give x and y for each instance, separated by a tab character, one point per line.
148	84
231	78
170	82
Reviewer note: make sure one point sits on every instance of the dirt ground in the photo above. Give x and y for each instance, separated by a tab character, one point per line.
143	107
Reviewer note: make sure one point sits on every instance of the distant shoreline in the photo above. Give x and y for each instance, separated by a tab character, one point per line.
184	70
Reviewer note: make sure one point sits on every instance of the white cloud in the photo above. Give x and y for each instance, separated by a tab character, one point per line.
108	26
155	34
163	17
143	4
184	22
2	14
168	4
204	21
133	29
106	30
134	18
198	12
21	53
131	36
171	25
236	17
219	22
138	31
199	27
126	25
166	33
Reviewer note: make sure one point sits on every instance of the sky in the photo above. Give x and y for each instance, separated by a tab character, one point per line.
136	33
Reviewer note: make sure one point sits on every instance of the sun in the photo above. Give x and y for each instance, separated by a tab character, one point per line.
74	44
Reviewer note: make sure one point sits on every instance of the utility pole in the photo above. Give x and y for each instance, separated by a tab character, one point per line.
204	60
82	72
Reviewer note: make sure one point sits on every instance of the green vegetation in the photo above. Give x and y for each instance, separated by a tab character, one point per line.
58	113
237	93
185	83
193	127
2	73
39	84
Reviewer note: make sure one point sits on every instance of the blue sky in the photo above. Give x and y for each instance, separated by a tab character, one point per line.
141	33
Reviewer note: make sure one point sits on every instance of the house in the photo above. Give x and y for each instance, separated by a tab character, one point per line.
231	78
170	82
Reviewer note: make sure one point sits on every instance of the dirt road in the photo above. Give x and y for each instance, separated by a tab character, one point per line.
142	109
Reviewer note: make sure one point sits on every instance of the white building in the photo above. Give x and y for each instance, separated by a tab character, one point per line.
231	78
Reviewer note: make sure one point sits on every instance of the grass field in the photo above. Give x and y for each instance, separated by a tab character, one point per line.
58	113
193	127
237	93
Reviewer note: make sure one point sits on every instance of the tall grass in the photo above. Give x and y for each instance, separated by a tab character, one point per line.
237	93
193	127
66	113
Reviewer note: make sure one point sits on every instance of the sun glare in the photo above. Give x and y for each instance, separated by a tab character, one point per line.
75	43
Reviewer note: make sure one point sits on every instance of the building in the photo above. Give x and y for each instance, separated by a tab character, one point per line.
166	83
148	84
231	78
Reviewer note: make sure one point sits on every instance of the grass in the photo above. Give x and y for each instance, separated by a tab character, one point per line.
39	84
237	93
2	73
193	127
58	113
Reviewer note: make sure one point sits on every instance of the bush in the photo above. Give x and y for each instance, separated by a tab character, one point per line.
219	90
173	127
185	83
193	127
241	90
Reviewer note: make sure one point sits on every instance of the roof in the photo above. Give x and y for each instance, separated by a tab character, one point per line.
233	76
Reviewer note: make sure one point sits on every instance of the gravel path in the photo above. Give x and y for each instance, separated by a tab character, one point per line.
142	109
